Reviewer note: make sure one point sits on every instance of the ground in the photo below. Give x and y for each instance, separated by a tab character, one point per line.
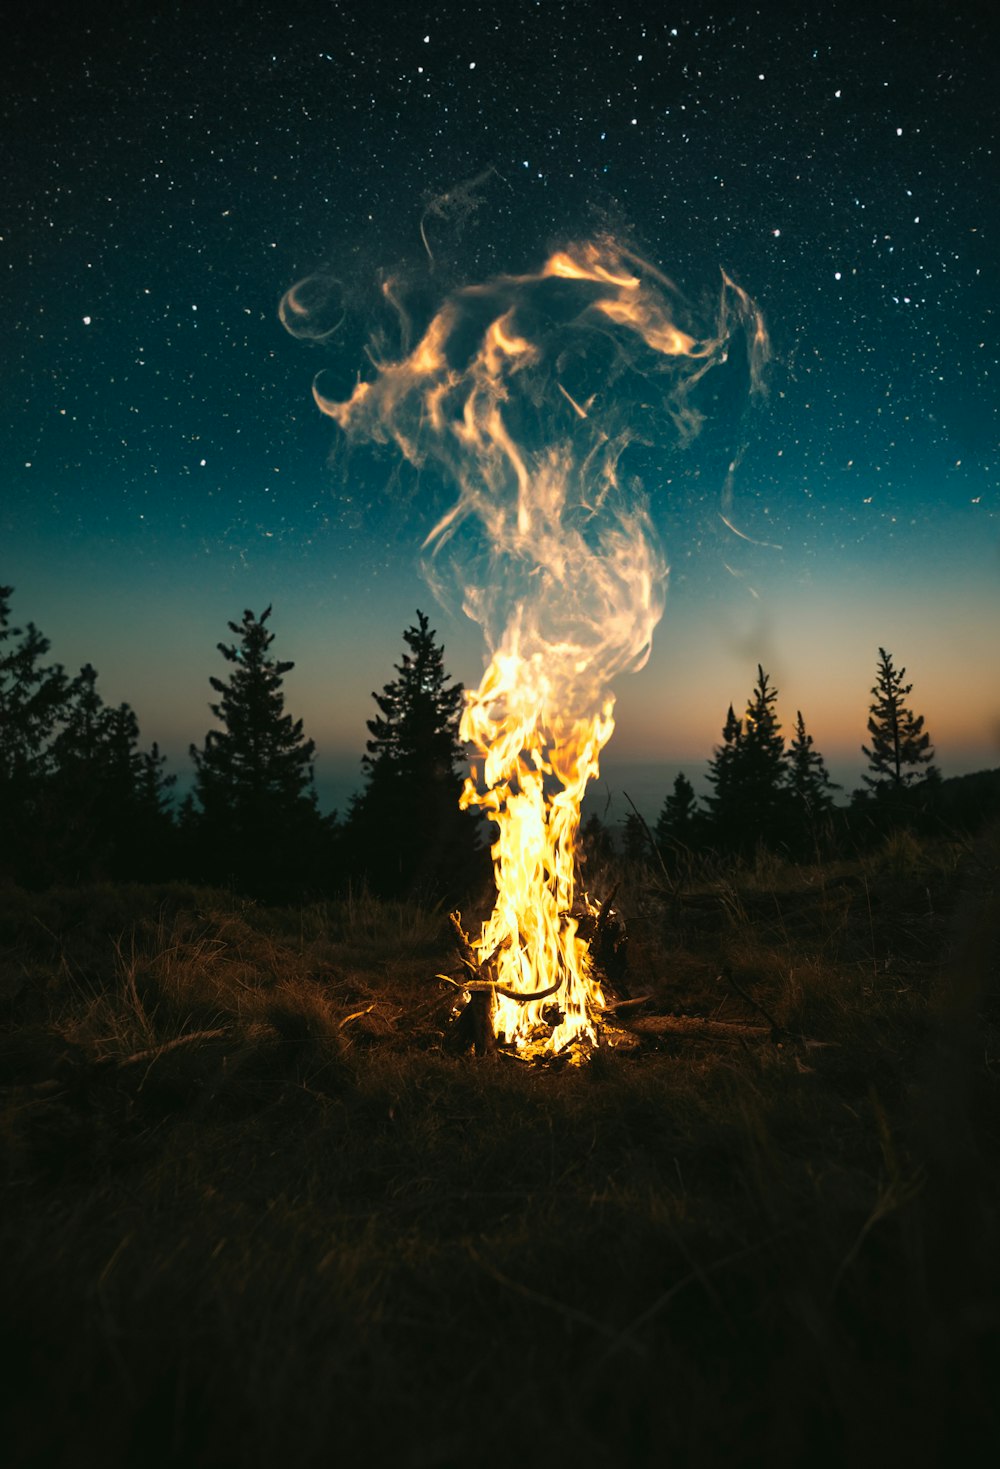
257	1210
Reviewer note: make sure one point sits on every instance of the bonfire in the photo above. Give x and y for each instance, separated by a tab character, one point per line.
526	392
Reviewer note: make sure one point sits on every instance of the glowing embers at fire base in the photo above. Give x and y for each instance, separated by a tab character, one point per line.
525	392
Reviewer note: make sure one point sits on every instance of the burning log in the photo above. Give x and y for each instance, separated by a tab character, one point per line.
477	1022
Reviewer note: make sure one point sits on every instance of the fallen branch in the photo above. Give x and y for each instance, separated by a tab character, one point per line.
698	1025
355	1015
727	975
155	1052
694	1025
613	1006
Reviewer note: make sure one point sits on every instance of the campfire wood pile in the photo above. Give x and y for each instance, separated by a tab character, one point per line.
475	1029
604	931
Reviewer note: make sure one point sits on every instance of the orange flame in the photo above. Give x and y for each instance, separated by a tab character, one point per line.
564	572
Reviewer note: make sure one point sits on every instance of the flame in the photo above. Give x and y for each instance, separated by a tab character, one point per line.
526	392
531	942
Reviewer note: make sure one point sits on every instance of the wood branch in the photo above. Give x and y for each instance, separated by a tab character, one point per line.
442	1002
601	924
523	997
698	1025
355	1015
484	974
727	975
603	916
695	1025
487	964
607	944
155	1052
612	1007
465	950
528	997
475	1025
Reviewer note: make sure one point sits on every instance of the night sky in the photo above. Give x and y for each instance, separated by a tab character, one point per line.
170	172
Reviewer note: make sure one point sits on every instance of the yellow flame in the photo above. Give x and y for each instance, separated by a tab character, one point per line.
533	933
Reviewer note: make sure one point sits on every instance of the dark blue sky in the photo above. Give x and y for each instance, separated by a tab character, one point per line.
172	170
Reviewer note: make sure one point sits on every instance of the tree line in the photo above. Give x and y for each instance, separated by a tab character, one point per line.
81	799
766	792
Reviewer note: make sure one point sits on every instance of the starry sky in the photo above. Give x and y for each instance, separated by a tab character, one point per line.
171	170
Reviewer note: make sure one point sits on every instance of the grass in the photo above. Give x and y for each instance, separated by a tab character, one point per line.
256	1211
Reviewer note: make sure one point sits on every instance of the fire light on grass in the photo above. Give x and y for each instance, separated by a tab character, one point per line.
526	392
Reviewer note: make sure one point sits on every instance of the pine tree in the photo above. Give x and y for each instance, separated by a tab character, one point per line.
597	845
762	755
258	825
136	804
153	786
749	804
723	769
809	785
406	832
79	745
679	822
32	700
635	841
80	848
105	824
900	752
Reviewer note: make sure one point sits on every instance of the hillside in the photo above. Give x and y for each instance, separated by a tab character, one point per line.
257	1209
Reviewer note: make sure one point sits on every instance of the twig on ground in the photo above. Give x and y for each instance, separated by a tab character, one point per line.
153	1053
613	1006
695	1025
355	1015
727	975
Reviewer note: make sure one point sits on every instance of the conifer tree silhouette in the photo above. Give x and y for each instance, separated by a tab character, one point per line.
82	848
33	696
596	842
110	808
258	824
809	786
136	801
678	826
749	803
723	774
405	833
78	746
635	842
900	752
762	752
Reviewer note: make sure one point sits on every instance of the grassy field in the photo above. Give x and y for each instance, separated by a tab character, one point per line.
257	1211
